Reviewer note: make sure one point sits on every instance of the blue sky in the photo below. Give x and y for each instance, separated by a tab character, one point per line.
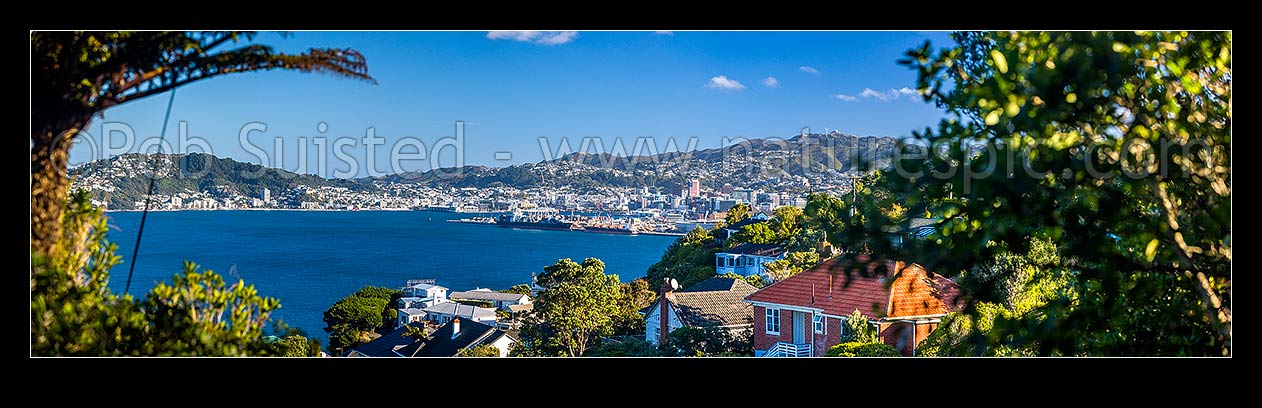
513	88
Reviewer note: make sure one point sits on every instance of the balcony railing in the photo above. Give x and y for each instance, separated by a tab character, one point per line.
782	349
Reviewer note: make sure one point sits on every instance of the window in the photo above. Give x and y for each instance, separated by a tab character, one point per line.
773	321
720	263
729	261
820	327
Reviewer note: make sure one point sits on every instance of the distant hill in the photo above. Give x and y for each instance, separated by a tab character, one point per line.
786	165
743	165
123	179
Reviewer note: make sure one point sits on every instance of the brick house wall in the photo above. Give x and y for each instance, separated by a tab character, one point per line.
764	341
896	335
830	337
821	342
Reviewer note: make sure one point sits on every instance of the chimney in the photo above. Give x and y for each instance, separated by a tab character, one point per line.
666	291
455	327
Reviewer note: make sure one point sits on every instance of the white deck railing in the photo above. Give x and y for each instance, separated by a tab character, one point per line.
782	349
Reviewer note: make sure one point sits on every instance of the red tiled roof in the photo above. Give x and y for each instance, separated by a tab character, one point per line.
839	289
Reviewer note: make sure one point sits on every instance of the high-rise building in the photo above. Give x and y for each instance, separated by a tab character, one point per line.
694	190
267	195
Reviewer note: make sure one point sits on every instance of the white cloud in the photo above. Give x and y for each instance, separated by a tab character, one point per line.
869	93
721	82
537	37
809	70
771	82
664	32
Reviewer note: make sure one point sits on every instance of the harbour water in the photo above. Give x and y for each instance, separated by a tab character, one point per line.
310	259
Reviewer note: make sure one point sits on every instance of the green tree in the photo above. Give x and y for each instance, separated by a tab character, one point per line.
351	318
1114	144
806	240
857	349
737	213
792	264
1013	289
710	341
295	346
79	74
74	313
825	213
624	346
202	314
288	341
758	233
857	329
753	280
787	222
537	339
576	308
481	350
636	295
862	222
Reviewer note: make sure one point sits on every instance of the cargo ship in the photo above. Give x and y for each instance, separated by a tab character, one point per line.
537	220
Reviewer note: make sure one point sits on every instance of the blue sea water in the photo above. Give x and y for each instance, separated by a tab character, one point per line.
310	259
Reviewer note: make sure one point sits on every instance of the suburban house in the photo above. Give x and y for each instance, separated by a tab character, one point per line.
412	309
747	259
419	294
803	314
714	302
423	288
913	228
447	311
447	341
498	300
460	334
727	230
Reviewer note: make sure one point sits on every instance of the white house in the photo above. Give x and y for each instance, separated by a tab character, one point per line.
419	294
444	312
422	288
747	259
717	302
498	300
412	309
